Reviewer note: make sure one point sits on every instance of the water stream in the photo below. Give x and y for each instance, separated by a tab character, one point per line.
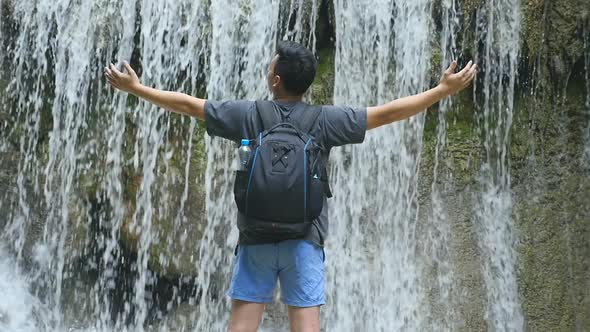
374	271
439	231
73	147
499	32
236	72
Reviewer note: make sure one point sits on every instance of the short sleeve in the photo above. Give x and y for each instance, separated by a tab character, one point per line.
344	125
227	119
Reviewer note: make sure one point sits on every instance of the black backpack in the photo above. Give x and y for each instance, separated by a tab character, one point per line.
282	190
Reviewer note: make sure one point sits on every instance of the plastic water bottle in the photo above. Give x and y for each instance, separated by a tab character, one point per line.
244	154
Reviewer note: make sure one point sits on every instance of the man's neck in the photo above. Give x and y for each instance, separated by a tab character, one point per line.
287	98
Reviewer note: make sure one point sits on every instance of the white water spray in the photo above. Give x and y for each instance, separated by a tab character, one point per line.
499	32
20	311
59	53
373	270
439	230
112	185
243	41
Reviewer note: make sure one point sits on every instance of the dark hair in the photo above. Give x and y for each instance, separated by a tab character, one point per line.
296	66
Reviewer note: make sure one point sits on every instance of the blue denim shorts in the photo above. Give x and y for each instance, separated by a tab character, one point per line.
297	264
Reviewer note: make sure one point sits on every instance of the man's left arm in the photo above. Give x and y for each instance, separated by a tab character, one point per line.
403	108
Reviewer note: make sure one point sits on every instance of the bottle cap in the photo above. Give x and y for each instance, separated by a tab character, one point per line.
245	142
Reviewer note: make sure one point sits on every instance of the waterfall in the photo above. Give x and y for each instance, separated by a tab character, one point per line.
112	185
439	235
60	48
164	56
374	272
59	51
305	14
243	41
67	32
499	31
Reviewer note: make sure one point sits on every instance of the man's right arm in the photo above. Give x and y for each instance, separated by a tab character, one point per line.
172	101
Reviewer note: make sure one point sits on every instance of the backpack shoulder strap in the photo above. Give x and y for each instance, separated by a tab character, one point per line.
309	118
267	114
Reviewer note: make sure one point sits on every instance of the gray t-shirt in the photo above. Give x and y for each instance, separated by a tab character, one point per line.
336	126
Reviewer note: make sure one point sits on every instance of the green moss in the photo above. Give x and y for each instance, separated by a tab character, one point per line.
322	90
551	212
462	148
533	27
552	30
550	187
471	6
175	248
563	38
436	59
548	269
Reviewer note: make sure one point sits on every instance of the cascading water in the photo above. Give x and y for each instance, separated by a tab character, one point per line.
172	44
67	32
59	52
160	25
439	232
112	185
236	72
499	33
373	270
305	14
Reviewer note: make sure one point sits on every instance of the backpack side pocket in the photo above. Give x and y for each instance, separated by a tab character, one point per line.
240	189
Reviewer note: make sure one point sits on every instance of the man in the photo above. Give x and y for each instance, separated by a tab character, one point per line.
299	263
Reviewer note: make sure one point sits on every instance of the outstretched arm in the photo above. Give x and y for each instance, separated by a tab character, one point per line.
406	107
172	101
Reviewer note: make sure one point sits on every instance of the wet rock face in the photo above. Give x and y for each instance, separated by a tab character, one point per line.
6	185
175	252
33	231
550	181
549	177
550	212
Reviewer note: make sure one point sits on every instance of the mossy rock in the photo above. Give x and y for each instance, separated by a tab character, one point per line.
322	90
463	151
78	240
533	27
174	251
76	236
550	190
551	211
552	31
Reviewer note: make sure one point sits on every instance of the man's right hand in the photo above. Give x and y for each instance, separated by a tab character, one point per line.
127	82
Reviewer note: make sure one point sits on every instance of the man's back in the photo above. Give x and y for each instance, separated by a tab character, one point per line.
335	126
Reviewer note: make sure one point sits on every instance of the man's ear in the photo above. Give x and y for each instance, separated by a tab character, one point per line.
276	80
